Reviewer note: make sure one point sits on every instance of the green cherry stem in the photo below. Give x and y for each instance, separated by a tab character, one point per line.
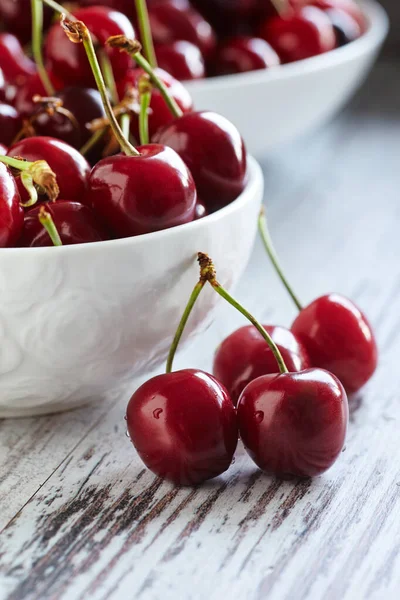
175	342
206	263
92	141
58	8
77	33
145	32
46	220
269	247
34	173
37	28
145	99
133	47
125	122
108	75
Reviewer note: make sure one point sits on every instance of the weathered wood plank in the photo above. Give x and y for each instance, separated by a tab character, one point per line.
102	527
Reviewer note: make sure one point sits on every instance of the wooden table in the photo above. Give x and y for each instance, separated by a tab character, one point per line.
84	520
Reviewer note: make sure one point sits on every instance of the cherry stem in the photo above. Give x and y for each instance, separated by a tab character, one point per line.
175	342
46	220
145	99
37	172
15	163
281	6
108	76
208	272
267	241
59	9
92	141
78	33
133	47
37	28
145	32
125	122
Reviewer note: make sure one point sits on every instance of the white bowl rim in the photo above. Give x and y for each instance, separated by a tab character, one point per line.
254	182
378	21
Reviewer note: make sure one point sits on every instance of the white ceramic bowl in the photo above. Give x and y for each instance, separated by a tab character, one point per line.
79	322
274	106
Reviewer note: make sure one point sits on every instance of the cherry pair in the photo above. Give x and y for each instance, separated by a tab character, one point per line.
185	427
331	333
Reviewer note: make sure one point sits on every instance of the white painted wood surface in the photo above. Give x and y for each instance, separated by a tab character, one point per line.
82	519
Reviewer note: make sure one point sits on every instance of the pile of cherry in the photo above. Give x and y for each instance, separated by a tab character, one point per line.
60	136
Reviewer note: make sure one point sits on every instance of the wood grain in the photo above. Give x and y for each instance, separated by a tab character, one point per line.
81	517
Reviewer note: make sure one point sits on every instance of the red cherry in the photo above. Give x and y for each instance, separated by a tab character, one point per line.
126	7
242	53
11	213
347	5
234	16
294	424
338	338
300	34
183	60
3	91
345	26
84	104
170	23
32	86
10	123
69	60
125	191
14	63
71	168
75	223
17	18
244	355
183	426
214	151
160	114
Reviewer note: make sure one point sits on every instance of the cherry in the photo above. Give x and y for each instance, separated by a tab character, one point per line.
181	59
71	168
338	338
67	121
126	7
69	60
16	18
160	114
10	123
183	425
335	333
348	6
170	23
125	191
75	223
234	16
345	26
214	151
299	34
243	356
294	424
11	212
16	66
242	53
32	87
3	88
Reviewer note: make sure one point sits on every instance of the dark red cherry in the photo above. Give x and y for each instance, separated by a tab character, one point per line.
232	17
11	213
300	34
183	60
170	23
75	223
17	18
16	66
159	114
200	210
84	104
345	26
10	123
183	426
214	151
32	86
244	355
69	60
339	338
141	194
294	424
71	168
243	53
